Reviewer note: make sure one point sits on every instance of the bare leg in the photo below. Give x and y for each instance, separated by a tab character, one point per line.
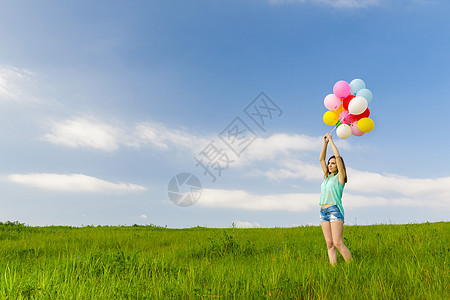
326	228
337	231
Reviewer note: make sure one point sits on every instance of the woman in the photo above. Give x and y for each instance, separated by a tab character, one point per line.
331	211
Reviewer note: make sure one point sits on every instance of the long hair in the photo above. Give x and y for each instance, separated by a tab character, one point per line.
343	164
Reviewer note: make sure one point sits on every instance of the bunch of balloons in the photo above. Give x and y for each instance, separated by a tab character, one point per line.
348	108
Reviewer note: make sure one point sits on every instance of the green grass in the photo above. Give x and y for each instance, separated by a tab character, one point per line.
150	262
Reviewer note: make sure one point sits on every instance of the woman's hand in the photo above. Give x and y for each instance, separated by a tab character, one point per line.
328	137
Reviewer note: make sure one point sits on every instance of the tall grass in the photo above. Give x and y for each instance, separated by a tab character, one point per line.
150	262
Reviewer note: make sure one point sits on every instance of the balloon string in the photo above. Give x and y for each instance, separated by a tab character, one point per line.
334	127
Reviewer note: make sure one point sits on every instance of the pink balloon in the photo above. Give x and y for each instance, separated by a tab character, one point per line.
341	89
355	129
345	117
332	102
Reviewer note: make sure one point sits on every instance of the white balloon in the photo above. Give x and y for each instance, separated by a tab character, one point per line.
344	131
357	105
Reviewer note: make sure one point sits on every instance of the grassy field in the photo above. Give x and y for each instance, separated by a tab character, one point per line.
150	262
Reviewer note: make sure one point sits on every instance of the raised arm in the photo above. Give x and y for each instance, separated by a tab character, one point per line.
340	165
323	154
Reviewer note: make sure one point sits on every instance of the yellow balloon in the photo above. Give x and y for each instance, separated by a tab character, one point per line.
330	117
365	124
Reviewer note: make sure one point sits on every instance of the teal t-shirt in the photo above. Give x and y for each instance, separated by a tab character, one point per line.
331	192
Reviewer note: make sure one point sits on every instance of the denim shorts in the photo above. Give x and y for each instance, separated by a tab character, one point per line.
330	214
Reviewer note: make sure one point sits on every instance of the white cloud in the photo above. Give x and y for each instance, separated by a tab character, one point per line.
20	85
334	3
245	224
370	182
143	216
361	182
349	3
159	136
72	183
279	153
89	132
354	201
287	1
86	132
239	199
10	81
281	144
301	202
279	150
289	168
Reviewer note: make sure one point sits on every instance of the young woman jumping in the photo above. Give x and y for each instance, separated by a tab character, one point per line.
331	210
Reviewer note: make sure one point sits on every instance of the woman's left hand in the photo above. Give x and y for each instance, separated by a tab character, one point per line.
329	137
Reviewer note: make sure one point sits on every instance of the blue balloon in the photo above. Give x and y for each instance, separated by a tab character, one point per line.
356	85
365	93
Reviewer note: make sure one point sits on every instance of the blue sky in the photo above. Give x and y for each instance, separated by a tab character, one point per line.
103	102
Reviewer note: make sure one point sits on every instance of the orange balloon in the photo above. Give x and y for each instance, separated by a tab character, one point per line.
340	109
